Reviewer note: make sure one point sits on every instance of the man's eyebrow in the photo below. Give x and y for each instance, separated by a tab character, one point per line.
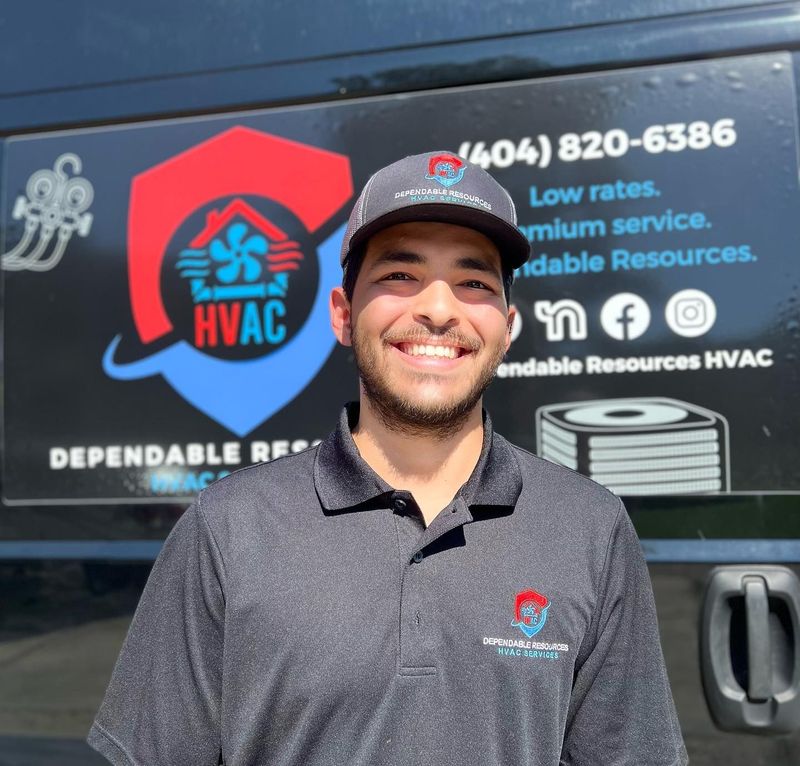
475	264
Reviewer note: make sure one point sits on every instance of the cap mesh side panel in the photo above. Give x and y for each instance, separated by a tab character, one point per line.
356	220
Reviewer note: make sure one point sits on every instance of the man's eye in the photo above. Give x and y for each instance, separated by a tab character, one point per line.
477	284
397	275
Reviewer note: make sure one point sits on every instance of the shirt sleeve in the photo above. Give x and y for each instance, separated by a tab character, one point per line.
162	706
621	711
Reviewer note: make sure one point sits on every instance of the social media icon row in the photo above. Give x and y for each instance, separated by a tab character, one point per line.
626	316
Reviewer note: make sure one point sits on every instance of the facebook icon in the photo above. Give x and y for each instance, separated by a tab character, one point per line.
625	316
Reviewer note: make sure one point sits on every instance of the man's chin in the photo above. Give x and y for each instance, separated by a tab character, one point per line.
418	402
430	395
433	415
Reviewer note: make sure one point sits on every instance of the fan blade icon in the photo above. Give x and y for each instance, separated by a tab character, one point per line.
238	256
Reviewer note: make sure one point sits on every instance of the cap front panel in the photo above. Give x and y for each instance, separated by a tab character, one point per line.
438	178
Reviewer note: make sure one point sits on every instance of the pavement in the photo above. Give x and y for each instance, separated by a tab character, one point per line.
29	751
52	684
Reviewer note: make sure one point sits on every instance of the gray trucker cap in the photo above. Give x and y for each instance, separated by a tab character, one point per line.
437	186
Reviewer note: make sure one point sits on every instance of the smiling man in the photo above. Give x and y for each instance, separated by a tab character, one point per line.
429	323
414	590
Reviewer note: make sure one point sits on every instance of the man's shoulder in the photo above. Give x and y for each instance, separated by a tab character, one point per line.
576	515
544	477
287	476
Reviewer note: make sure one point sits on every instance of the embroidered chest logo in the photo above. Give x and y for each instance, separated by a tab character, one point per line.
530	615
530	612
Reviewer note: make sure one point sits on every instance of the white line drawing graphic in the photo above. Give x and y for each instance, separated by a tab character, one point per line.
564	318
639	445
55	205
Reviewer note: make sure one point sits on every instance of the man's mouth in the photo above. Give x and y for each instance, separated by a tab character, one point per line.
431	350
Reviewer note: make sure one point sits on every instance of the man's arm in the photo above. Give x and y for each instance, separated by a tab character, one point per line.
162	706
621	711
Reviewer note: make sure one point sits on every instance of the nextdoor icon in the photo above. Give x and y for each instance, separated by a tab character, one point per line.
625	316
562	319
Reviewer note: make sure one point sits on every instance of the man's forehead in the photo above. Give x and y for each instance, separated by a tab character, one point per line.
427	242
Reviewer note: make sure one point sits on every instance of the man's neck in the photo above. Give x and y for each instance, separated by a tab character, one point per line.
432	468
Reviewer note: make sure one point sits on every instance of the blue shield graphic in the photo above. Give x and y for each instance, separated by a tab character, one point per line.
241	395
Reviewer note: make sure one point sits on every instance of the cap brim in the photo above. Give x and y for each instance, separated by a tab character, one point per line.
512	244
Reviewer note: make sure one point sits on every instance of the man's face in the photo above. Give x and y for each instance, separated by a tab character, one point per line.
428	323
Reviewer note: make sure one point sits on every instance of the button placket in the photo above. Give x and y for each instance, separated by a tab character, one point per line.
415	649
414	656
417	646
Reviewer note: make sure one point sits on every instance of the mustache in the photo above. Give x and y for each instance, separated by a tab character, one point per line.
422	335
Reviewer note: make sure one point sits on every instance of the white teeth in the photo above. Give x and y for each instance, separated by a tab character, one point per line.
416	349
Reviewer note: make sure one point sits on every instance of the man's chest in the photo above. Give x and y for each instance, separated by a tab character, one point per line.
349	607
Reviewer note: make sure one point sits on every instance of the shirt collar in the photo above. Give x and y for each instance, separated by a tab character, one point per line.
343	479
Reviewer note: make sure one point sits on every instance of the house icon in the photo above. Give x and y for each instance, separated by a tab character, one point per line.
217	221
283	254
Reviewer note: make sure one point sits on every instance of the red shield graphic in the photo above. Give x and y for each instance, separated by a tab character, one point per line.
311	182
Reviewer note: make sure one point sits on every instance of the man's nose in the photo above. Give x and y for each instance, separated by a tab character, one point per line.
436	305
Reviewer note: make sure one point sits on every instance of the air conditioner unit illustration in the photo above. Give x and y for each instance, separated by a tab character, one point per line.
638	445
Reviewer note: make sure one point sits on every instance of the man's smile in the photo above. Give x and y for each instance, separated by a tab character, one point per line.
432	350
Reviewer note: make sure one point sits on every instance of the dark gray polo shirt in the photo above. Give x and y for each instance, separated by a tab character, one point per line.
300	614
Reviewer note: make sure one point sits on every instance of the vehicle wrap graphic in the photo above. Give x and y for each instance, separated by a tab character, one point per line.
185	333
53	204
238	267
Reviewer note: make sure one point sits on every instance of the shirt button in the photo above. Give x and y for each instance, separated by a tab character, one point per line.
418	556
400	504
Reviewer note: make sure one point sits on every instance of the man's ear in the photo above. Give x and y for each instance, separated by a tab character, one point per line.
340	316
512	315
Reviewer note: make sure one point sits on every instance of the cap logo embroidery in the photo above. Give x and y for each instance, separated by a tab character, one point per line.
530	612
447	169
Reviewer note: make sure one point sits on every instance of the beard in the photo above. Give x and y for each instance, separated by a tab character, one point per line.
403	413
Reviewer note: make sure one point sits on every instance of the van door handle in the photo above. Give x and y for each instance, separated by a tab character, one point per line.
759	655
750	648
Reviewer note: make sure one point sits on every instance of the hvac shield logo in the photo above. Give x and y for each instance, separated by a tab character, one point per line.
530	612
447	169
227	277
